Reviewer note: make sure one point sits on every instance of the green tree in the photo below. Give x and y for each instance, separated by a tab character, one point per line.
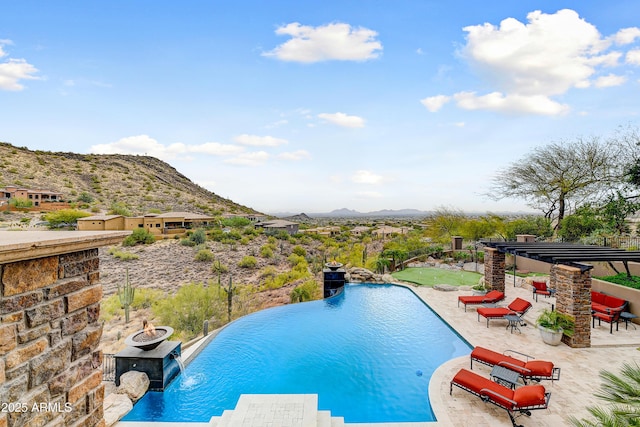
552	177
64	217
85	197
622	393
445	223
581	224
119	208
615	212
534	224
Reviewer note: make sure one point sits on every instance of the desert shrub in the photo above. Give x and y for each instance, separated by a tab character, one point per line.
266	251
64	217
300	251
139	236
144	298
187	310
119	208
25	220
248	262
85	197
198	236
308	291
236	222
268	272
204	255
122	255
295	260
218	267
19	202
187	242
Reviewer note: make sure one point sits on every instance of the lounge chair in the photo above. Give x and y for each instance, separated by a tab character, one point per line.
518	307
540	288
529	369
521	400
491	297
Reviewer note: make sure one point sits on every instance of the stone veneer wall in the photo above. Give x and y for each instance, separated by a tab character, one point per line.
494	264
49	336
573	297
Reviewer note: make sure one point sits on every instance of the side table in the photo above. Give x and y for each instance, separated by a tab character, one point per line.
514	322
628	317
504	376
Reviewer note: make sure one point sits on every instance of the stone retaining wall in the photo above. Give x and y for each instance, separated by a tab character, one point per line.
50	365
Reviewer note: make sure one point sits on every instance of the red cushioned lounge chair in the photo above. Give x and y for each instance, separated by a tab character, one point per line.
491	297
518	306
529	369
540	288
520	401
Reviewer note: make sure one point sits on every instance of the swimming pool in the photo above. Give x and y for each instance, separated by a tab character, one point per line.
368	353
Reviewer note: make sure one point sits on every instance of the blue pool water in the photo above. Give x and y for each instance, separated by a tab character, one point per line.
368	353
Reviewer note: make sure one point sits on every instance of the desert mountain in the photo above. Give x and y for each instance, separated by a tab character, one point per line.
141	183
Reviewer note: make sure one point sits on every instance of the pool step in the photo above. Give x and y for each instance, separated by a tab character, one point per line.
258	410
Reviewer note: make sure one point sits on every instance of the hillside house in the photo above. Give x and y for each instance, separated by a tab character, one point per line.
36	196
250	217
323	231
166	223
386	230
273	226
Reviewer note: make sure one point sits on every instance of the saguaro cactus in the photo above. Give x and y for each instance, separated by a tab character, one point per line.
126	295
230	291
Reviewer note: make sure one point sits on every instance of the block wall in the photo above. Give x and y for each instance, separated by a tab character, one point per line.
50	365
573	297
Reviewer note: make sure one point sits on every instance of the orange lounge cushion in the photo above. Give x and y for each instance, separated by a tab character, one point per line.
538	368
493	312
529	395
479	384
519	305
490	297
494	358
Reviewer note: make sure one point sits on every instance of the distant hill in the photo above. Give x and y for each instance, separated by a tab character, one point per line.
350	213
141	183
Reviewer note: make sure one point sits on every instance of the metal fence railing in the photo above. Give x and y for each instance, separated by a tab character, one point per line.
108	367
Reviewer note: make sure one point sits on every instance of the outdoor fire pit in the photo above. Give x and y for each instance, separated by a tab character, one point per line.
149	351
149	337
333	265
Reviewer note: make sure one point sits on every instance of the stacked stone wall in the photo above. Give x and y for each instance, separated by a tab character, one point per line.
49	334
573	297
494	265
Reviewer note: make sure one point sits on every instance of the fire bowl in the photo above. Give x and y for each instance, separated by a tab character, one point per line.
333	266
142	340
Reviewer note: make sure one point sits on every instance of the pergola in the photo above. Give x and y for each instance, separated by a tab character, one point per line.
567	253
570	275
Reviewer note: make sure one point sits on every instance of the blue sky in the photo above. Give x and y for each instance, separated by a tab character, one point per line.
297	106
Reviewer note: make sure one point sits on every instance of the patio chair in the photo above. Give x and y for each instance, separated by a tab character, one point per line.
491	297
520	401
540	288
518	307
611	316
529	369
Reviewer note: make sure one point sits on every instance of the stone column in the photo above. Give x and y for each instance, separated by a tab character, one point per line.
50	365
573	297
494	262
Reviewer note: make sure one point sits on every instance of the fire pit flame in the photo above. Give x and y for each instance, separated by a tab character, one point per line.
149	337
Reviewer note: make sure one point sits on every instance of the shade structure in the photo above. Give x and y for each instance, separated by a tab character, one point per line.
574	255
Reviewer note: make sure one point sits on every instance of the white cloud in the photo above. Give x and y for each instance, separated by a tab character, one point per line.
3	43
435	103
259	141
145	145
14	70
626	35
255	158
514	104
336	41
366	177
342	119
530	63
633	57
295	155
610	80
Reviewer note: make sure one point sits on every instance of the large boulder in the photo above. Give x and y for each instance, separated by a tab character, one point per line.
115	407
134	384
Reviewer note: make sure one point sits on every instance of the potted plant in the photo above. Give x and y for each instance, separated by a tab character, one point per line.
553	324
480	288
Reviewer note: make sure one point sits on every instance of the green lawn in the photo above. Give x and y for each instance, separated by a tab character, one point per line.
437	276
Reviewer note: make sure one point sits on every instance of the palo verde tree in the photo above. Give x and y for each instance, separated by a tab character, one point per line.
562	175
